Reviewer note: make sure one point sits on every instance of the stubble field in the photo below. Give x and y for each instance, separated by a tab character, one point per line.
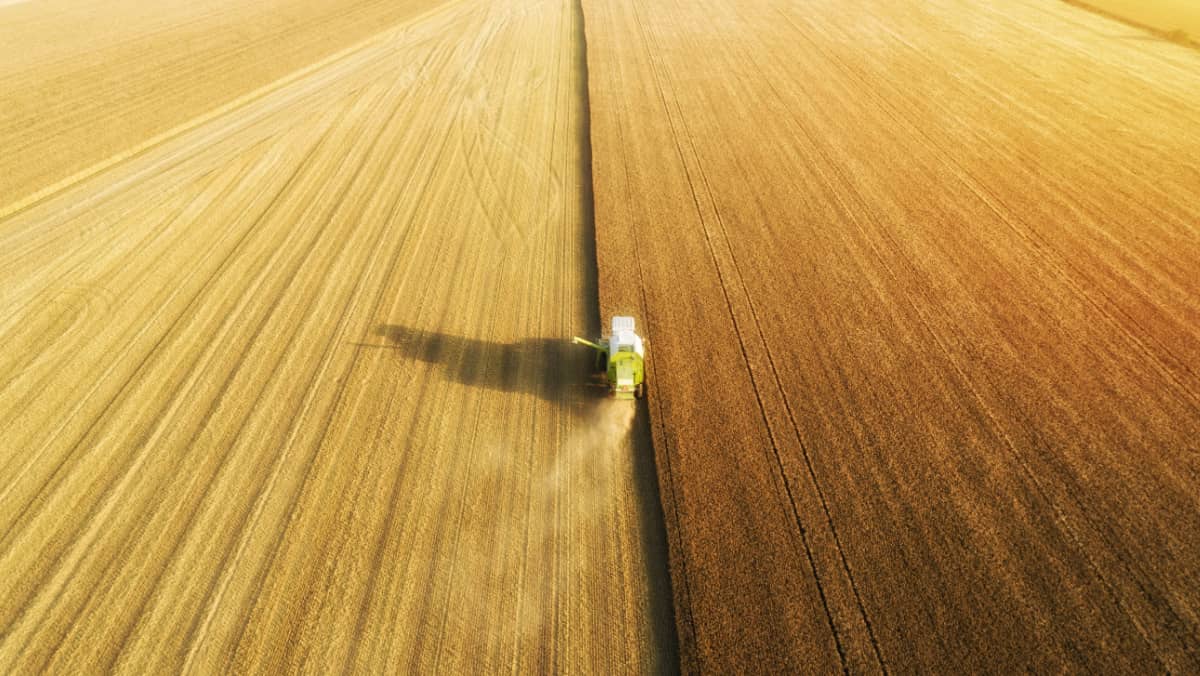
286	381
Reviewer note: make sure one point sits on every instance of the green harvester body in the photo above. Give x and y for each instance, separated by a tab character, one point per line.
621	356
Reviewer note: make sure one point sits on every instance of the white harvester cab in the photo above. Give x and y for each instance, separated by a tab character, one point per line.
624	337
626	355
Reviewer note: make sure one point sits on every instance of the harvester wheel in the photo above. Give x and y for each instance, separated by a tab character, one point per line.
602	362
640	391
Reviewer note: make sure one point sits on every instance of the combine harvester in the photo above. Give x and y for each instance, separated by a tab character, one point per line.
622	357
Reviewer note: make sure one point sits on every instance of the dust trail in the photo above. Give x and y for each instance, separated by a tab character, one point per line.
598	439
576	496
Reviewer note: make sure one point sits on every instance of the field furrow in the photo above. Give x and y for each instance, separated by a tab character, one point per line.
919	282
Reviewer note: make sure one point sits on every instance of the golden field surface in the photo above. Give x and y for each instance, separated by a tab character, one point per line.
921	282
285	290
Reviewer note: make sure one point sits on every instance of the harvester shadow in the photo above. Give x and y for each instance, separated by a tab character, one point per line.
652	536
553	369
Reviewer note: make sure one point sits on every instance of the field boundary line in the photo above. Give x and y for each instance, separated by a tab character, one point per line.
64	184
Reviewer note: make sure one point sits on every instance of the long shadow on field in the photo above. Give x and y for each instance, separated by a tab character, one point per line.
555	370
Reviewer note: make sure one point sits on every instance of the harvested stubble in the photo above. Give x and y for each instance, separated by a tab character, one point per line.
281	386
